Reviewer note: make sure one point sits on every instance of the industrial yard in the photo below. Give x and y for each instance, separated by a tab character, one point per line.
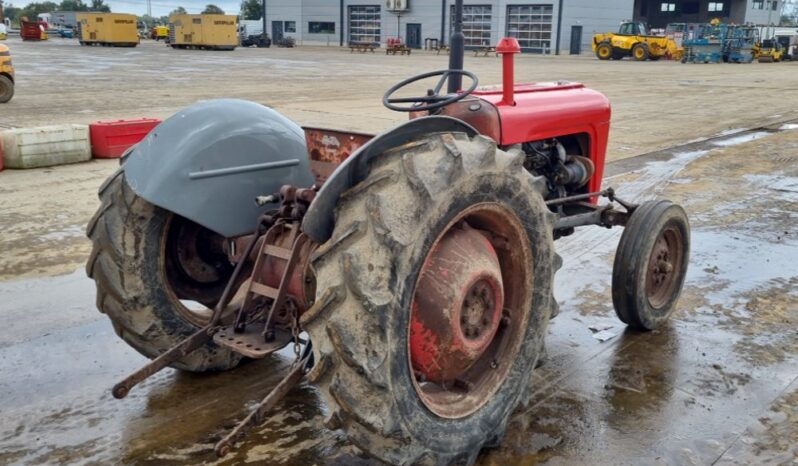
718	384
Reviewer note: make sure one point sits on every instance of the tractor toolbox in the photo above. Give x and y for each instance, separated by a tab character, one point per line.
110	139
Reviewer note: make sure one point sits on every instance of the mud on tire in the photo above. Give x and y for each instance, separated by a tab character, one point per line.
128	269
366	276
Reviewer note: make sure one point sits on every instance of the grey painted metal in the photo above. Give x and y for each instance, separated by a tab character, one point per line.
320	218
457	48
209	161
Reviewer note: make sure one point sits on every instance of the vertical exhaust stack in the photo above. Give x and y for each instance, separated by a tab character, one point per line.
456	49
507	47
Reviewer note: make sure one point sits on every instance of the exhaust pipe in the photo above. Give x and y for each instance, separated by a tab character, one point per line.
456	49
507	47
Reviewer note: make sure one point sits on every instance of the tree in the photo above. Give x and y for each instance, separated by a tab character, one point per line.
99	5
73	5
212	9
148	20
11	12
251	9
178	11
32	10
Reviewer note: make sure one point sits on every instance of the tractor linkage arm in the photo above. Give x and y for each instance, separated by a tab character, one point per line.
603	215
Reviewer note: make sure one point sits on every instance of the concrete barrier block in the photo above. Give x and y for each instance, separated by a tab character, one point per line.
45	146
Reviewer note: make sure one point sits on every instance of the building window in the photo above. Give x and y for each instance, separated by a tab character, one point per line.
320	27
716	7
364	24
759	4
531	25
476	24
290	26
775	5
667	7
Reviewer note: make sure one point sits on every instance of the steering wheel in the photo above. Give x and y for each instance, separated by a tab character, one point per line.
434	99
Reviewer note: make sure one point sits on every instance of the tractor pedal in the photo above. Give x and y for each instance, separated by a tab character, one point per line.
250	342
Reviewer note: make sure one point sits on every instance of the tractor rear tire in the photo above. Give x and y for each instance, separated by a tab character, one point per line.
386	227
129	265
644	293
6	89
640	52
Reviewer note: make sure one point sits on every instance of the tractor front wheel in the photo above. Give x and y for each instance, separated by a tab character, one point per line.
434	294
650	264
157	275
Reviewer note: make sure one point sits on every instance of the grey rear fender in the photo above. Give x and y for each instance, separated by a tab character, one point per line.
319	220
210	160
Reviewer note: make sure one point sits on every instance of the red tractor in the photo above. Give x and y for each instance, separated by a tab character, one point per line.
411	272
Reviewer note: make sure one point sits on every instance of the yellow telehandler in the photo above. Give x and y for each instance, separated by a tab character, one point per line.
633	40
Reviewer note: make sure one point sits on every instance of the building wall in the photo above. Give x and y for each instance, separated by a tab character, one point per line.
737	12
760	16
592	15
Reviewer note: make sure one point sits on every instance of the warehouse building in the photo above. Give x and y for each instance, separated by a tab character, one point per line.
658	13
564	26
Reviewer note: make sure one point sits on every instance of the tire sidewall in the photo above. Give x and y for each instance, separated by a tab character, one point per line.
449	435
6	89
664	216
154	274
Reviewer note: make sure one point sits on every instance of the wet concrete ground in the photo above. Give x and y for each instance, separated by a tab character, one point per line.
718	385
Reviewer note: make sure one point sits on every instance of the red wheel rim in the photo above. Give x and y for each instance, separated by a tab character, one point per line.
475	333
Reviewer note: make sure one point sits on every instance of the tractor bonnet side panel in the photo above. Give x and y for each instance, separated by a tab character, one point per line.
550	110
209	161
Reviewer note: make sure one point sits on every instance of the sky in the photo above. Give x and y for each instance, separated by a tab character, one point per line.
159	7
164	7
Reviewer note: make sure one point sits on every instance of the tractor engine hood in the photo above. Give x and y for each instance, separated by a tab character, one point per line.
545	110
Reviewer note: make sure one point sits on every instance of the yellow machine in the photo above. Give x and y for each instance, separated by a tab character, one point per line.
770	51
108	29
633	40
3	31
217	32
160	32
6	75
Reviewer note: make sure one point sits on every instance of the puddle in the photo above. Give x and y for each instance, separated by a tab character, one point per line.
729	132
742	139
72	231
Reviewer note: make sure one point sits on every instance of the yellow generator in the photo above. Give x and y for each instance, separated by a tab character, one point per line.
108	29
632	40
209	32
6	76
